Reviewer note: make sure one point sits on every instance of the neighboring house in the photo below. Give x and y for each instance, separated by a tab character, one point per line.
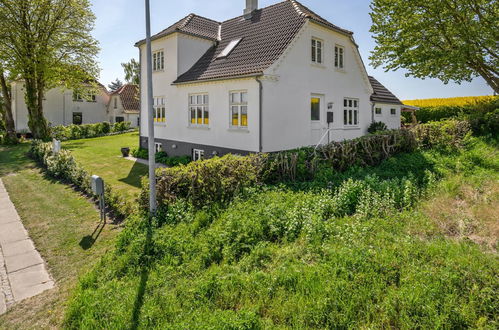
61	107
273	79
124	105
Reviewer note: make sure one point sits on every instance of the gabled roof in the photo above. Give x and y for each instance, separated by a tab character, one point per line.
129	95
381	93
192	24
264	38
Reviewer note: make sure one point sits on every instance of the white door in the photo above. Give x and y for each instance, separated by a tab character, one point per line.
317	118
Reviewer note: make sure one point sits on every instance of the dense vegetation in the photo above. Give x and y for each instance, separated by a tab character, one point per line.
449	102
86	131
347	249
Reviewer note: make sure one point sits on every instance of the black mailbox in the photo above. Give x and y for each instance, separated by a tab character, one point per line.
330	117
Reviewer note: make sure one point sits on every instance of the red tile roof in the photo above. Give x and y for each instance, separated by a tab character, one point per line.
129	95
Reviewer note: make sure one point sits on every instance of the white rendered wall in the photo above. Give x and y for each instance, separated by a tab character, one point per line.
391	121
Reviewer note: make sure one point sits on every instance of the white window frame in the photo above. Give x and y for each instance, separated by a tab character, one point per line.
392	112
158	60
199	102
159	107
380	111
316	96
197	154
339	57
239	106
158	147
351	113
317	47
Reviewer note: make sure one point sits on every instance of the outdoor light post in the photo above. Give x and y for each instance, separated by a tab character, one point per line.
150	117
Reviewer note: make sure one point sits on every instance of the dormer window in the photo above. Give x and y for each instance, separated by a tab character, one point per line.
158	61
230	47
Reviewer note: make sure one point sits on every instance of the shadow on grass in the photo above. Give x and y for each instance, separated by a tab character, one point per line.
88	241
144	277
14	159
135	175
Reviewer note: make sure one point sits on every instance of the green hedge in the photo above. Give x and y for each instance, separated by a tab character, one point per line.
162	157
448	135
64	166
75	132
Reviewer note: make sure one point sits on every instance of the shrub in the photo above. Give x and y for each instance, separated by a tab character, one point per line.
140	153
205	182
162	157
376	127
448	135
75	132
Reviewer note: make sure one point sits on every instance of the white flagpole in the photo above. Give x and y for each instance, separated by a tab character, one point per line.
150	117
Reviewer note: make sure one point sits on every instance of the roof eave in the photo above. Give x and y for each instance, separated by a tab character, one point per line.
142	42
251	75
339	30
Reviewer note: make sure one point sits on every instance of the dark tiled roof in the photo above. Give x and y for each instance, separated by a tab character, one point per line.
264	38
129	95
381	93
192	24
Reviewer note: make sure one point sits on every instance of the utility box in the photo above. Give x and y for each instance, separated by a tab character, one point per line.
330	117
97	185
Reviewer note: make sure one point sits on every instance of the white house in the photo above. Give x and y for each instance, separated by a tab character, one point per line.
61	107
124	105
273	79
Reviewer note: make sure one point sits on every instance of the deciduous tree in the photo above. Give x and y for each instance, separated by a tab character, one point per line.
47	43
452	40
132	72
6	109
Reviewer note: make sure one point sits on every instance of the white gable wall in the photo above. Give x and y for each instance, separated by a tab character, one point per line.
286	106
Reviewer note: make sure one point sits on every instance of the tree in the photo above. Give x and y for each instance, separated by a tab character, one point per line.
6	109
47	43
132	72
452	40
115	85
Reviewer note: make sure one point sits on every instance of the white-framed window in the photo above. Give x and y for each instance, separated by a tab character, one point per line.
199	113
197	154
115	103
239	109
317	50
158	60
158	147
159	110
350	112
339	57
378	111
77	97
315	108
393	111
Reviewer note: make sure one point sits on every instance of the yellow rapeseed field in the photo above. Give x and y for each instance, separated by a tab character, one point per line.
453	101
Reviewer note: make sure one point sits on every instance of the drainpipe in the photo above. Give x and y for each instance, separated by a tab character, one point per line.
260	134
372	112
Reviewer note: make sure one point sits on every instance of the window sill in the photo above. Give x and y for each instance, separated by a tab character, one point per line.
158	71
238	130
159	124
318	65
340	70
351	128
205	128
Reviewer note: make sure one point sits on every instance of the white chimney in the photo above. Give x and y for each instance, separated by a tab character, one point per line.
251	6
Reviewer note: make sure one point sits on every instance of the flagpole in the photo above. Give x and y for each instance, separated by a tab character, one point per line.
150	116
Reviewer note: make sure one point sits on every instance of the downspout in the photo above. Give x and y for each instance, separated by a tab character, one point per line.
260	119
372	112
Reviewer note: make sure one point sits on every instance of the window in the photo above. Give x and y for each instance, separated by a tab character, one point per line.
199	114
115	103
159	110
316	51
197	154
92	97
77	118
239	109
138	121
158	147
339	57
230	47
351	112
378	111
158	61
315	109
119	119
393	112
77	97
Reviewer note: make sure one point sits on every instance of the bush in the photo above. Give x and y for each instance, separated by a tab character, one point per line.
205	182
63	166
448	135
140	153
162	157
376	127
76	132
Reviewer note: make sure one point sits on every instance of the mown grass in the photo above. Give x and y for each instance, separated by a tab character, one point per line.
279	258
65	228
102	156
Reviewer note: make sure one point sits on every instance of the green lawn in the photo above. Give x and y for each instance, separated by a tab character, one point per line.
102	156
65	227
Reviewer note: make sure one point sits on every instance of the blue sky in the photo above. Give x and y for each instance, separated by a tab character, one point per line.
120	23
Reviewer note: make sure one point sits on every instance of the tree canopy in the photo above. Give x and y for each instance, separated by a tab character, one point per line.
47	43
452	40
132	72
115	85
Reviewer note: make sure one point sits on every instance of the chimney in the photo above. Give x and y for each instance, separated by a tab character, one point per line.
251	6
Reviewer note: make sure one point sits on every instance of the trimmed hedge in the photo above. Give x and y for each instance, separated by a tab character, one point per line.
162	157
63	166
76	132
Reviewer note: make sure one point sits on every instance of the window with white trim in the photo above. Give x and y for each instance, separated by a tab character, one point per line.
339	57
393	111
315	108
197	154
158	147
199	113
378	111
317	51
159	110
239	109
351	112
158	60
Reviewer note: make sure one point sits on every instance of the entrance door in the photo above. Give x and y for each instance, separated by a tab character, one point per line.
317	118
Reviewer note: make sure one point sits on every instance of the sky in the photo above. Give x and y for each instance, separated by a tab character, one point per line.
121	23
